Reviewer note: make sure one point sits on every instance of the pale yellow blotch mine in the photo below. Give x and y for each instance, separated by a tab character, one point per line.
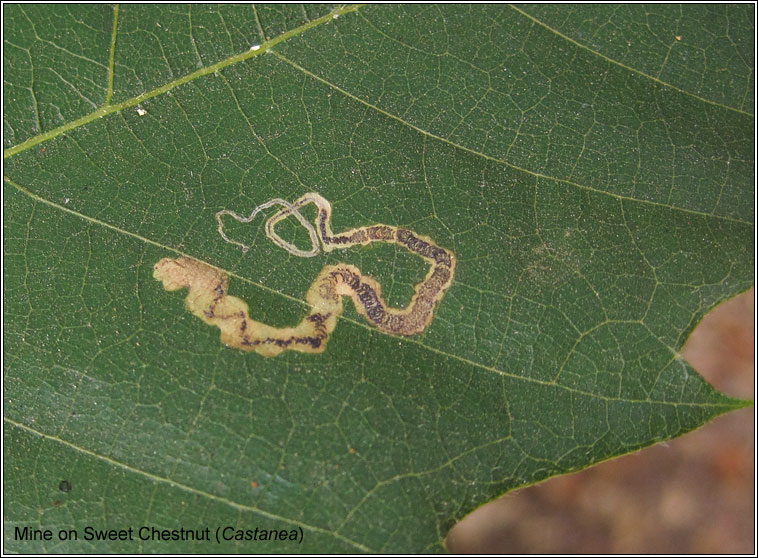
208	299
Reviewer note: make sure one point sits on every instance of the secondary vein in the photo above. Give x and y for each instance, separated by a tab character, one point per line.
107	109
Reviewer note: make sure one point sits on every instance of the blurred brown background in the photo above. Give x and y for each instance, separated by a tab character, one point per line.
694	494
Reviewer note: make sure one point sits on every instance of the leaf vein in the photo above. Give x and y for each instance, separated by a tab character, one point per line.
495	159
417	342
107	109
178	485
628	68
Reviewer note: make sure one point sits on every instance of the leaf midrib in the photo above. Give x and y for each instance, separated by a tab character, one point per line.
267	47
107	109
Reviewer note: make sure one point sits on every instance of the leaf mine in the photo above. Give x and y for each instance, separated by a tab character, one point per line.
208	297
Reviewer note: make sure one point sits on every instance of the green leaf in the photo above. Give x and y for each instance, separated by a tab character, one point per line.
590	167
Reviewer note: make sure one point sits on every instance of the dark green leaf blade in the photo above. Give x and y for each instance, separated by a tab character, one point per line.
555	348
706	50
498	82
55	66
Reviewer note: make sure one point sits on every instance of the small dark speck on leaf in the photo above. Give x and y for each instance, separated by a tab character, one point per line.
64	486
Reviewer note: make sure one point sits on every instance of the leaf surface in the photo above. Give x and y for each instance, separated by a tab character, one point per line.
598	202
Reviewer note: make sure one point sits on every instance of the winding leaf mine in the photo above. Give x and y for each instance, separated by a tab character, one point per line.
208	297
